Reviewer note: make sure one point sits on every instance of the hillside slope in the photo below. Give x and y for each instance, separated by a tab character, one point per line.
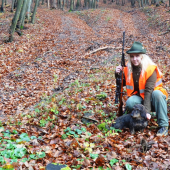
60	39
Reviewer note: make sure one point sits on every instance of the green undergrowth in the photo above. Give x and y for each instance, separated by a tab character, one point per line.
93	95
14	148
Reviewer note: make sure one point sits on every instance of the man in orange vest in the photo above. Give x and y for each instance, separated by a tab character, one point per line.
144	85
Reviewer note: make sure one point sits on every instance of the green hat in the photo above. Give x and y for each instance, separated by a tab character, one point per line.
137	47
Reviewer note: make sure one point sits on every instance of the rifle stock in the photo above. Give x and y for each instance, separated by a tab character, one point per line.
119	83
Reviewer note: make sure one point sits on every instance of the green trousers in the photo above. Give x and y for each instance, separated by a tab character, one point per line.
158	103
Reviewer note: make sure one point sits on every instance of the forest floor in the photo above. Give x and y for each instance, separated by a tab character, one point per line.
52	74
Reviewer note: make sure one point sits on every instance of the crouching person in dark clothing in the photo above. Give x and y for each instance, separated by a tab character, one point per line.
144	86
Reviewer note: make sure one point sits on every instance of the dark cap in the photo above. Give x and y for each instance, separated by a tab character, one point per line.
137	47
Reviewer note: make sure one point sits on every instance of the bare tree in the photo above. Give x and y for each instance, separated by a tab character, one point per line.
93	4
72	5
34	12
2	6
146	2
67	2
132	3
48	3
53	4
22	14
78	4
12	6
86	4
123	2
15	19
117	2
153	1
63	4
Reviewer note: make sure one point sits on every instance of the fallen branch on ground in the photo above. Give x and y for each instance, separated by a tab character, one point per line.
164	32
90	119
101	48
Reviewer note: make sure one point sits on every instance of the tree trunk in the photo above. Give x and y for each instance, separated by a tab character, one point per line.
93	5
42	2
2	6
67	2
132	3
34	12
158	2
15	4
48	3
123	2
153	1
53	4
89	3
15	19
29	9
104	1
12	6
78	4
38	3
72	5
22	15
142	3
58	4
63	5
86	4
139	3
97	3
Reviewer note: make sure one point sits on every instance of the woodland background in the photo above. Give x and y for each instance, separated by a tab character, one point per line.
57	84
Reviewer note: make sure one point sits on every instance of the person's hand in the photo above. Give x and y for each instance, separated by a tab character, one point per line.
118	69
148	116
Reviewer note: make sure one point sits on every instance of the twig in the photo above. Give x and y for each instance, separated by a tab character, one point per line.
48	39
48	52
101	48
164	32
41	140
90	119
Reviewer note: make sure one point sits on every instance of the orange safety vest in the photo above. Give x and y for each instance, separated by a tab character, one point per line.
142	81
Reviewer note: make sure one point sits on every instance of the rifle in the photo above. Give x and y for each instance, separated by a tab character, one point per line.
119	82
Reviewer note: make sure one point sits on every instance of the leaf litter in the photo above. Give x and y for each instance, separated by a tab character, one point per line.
49	86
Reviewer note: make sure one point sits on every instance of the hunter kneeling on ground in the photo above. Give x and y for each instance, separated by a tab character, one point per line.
144	85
